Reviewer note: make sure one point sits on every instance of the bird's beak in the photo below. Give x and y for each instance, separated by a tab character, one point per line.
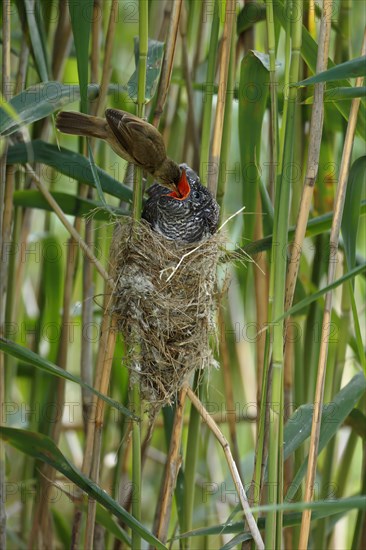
183	188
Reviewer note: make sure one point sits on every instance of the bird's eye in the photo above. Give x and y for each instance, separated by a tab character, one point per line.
196	195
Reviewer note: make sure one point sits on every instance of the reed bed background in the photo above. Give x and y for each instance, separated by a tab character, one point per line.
269	447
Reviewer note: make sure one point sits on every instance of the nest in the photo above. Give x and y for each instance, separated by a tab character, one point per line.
164	303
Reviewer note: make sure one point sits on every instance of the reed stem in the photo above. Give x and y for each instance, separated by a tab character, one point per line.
277	293
324	343
230	18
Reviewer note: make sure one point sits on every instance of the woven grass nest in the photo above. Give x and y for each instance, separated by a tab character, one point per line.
164	301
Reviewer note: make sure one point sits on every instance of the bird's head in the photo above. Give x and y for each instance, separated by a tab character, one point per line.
190	199
188	213
169	175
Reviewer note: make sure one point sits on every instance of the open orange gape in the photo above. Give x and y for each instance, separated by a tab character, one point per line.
183	188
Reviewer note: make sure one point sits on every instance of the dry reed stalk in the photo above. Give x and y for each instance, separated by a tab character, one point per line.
62	40
61	47
200	41
104	363
42	522
26	221
253	527
165	22
228	385
172	465
7	222
96	33
96	108
93	436
6	181
221	95
6	185
326	324
315	136
87	315
89	443
191	128
6	28
166	71
42	530
22	67
2	405
19	82
107	62
86	358
103	366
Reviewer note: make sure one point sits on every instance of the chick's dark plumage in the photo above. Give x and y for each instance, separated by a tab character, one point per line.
185	220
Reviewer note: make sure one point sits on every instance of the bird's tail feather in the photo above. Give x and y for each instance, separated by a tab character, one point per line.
79	124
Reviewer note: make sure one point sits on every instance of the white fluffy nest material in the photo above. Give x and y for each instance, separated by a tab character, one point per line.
164	300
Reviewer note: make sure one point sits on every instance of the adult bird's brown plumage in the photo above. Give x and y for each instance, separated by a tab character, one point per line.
130	137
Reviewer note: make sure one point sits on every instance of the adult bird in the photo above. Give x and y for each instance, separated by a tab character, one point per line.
130	137
187	215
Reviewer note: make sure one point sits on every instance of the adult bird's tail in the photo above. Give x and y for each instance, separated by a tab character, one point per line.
79	124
